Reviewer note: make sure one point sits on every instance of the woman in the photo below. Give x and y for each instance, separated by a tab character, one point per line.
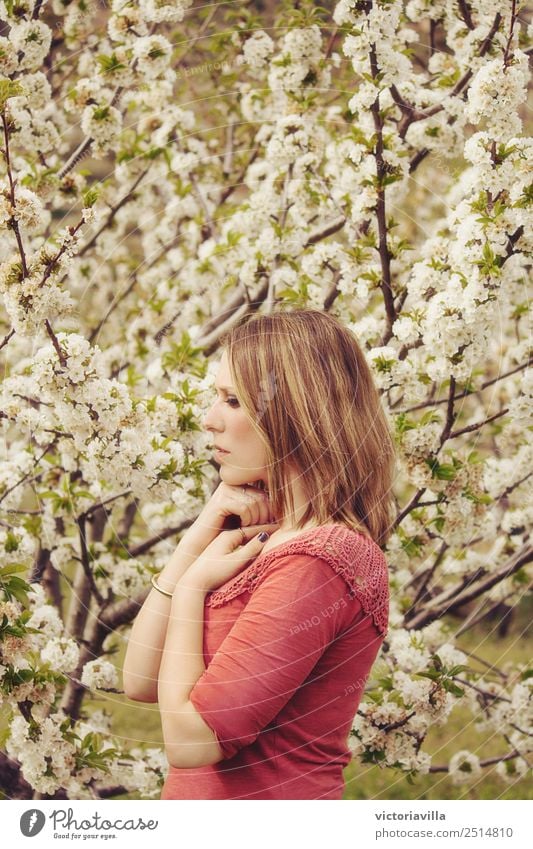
257	641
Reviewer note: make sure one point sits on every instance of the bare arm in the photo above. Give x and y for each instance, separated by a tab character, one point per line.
147	639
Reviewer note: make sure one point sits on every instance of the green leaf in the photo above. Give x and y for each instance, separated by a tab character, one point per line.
15	587
9	88
441	471
452	688
109	64
90	196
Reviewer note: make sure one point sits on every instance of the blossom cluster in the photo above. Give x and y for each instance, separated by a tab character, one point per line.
142	208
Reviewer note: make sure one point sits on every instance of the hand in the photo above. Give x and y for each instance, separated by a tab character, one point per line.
249	504
225	557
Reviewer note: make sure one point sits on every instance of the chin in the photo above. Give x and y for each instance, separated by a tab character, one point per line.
235	478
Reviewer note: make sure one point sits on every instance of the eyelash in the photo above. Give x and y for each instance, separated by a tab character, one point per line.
231	401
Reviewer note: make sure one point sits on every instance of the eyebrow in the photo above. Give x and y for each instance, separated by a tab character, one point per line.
225	388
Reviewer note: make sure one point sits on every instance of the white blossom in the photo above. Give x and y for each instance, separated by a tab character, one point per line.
257	50
152	54
103	124
164	10
464	767
193	201
99	674
62	655
495	93
32	39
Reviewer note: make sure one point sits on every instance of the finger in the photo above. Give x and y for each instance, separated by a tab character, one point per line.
248	517
242	536
265	508
253	510
242	509
269	510
264	511
254	507
254	530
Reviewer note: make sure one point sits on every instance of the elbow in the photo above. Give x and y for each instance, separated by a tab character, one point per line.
191	755
139	689
177	757
189	743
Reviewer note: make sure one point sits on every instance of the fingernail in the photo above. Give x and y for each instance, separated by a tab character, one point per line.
263	536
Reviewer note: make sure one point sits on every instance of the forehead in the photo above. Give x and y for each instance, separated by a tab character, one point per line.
223	377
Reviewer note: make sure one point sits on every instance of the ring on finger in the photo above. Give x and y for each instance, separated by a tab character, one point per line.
243	536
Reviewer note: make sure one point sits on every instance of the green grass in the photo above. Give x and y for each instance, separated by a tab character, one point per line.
373	782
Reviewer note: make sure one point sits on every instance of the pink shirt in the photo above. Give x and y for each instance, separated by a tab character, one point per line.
288	645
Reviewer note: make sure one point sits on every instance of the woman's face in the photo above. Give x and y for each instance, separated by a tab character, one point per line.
232	430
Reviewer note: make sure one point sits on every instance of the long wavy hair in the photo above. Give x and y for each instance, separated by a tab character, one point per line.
305	383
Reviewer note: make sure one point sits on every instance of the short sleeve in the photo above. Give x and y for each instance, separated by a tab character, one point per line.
294	613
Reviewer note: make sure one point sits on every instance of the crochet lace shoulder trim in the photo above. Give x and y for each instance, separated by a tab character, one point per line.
352	555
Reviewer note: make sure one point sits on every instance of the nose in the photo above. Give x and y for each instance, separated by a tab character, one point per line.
211	419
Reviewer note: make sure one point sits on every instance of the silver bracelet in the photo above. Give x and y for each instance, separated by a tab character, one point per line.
160	589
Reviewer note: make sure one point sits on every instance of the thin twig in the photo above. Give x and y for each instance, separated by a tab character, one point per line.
145	546
514	16
489	666
407	509
454	597
477	425
227	161
101	504
125	199
85	561
450	414
13	223
383	249
479	614
7	338
26	476
487	762
466	14
468	394
55	342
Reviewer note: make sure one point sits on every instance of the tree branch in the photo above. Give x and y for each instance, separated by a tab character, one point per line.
6	339
486	762
62	356
13	223
466	14
145	546
383	248
85	561
514	15
467	394
454	597
450	414
477	425
407	509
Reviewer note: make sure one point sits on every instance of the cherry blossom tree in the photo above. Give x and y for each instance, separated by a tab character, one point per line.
168	167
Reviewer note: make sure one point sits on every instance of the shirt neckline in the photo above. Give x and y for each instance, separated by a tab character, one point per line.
304	534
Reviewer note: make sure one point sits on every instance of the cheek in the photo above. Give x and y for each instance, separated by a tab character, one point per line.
245	433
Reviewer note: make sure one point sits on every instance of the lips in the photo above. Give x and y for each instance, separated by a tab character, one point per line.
221	450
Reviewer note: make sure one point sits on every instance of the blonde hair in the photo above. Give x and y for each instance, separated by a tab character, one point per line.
306	385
